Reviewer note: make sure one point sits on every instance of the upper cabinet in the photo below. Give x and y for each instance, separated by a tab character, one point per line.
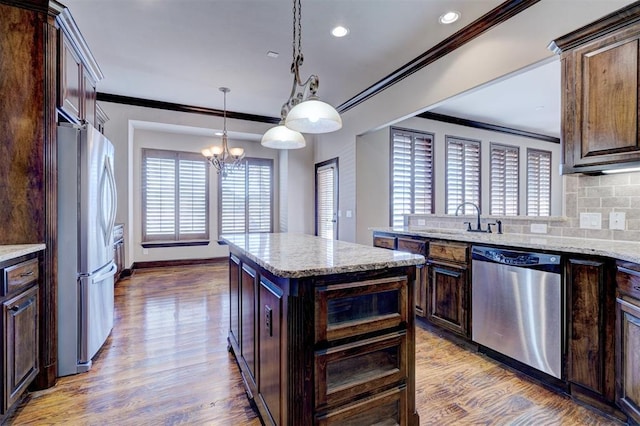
77	76
600	66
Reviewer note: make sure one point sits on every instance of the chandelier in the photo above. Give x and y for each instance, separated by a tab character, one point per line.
221	157
303	112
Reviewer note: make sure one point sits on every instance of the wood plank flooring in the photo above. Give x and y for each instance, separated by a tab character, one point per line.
166	363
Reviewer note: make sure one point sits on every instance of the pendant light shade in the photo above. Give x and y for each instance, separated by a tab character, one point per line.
313	116
281	137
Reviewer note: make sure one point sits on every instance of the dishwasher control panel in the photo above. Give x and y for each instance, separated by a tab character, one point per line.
511	257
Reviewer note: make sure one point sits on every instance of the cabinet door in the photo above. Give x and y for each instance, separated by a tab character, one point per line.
248	310
269	332
234	302
628	337
70	81
601	102
448	292
20	318
89	97
420	285
591	297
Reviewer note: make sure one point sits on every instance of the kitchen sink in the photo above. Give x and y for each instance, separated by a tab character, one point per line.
437	230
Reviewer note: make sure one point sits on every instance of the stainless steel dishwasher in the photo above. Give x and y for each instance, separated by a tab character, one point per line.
517	306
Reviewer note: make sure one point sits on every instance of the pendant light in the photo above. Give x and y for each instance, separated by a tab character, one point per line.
222	157
303	112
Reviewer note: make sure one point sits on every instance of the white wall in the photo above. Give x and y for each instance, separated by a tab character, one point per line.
131	128
511	46
297	189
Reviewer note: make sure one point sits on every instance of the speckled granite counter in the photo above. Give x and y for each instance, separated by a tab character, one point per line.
622	250
290	255
9	252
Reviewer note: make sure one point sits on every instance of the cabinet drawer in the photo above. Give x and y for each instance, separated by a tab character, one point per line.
628	281
386	408
447	251
412	246
349	309
19	276
344	372
384	242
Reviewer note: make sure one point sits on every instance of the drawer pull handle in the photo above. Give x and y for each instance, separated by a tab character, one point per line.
636	287
17	309
26	274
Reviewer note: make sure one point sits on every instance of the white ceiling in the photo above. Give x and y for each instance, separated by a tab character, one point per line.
181	51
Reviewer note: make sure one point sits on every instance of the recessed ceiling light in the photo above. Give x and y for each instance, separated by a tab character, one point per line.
449	17
272	54
339	31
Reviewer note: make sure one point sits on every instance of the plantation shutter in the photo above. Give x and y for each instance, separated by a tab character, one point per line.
259	200
175	204
245	197
462	175
325	185
538	182
504	180
411	174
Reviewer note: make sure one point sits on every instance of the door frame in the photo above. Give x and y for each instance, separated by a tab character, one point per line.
331	162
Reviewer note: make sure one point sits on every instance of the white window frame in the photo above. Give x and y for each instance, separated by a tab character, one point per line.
415	193
504	177
469	146
538	182
251	214
183	198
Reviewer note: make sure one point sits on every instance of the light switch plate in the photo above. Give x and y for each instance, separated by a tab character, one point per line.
617	220
591	220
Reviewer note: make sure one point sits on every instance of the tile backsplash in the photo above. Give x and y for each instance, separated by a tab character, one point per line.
582	194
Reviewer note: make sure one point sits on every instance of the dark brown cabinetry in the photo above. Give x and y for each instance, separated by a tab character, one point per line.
420	287
415	246
20	355
118	250
591	323
449	286
628	340
77	78
600	93
324	350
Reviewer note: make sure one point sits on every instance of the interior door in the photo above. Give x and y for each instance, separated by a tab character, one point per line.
327	199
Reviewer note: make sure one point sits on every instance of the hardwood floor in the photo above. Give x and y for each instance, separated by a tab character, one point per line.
166	363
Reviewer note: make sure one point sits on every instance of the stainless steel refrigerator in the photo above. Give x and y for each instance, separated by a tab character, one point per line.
86	215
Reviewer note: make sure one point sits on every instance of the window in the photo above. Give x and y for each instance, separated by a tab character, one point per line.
327	199
246	198
411	174
462	175
504	180
538	182
175	202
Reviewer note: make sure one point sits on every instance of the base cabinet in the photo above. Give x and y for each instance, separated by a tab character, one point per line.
118	250
449	286
591	361
326	350
20	332
628	341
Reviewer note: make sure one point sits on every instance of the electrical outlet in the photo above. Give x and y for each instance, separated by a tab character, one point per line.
591	220
145	251
349	213
538	228
617	220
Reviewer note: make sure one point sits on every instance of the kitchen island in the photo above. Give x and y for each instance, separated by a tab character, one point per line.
323	330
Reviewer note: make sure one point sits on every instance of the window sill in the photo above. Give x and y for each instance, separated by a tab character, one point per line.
161	244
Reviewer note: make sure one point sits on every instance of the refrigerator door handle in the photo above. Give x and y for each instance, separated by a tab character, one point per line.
111	271
108	187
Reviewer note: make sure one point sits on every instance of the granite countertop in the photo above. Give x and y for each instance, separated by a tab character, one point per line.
622	250
291	255
9	252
